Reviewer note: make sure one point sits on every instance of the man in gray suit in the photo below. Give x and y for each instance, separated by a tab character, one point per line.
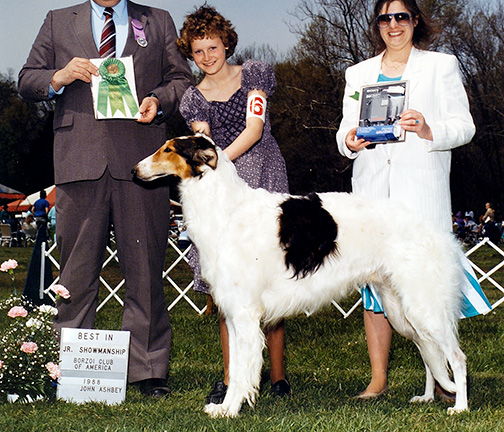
93	161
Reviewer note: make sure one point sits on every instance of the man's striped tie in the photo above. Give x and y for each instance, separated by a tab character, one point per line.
108	37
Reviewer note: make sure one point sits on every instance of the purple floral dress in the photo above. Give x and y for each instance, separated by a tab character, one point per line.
262	166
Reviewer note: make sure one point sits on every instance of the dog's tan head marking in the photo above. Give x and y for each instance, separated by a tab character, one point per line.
184	157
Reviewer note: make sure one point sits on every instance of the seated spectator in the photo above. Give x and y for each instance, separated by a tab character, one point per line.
29	228
458	224
5	215
470	225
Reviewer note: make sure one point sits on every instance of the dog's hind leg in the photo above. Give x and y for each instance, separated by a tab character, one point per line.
457	360
437	354
246	342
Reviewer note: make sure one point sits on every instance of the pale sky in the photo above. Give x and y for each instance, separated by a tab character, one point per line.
256	21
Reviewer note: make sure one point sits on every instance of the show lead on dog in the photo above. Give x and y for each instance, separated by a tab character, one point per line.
93	161
230	105
415	172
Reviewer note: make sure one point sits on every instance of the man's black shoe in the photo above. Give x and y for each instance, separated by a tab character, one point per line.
153	387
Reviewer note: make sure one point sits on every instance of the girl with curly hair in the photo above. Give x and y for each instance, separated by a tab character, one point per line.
229	104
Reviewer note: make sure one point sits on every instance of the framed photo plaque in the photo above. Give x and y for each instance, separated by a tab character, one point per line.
380	106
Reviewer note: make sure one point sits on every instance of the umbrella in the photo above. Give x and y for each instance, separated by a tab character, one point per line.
9	193
26	204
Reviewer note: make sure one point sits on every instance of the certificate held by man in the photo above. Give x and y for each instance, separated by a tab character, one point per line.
114	90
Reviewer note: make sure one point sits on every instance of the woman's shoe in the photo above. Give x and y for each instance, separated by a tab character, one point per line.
217	394
281	388
444	395
370	396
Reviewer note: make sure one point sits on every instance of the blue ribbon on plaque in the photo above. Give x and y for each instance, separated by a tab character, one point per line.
380	133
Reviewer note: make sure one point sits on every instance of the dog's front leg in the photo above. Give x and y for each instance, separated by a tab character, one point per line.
246	342
430	384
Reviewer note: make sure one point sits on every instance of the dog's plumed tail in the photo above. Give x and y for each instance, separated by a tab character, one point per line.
307	234
432	353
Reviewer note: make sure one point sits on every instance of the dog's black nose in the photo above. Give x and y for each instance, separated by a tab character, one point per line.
134	171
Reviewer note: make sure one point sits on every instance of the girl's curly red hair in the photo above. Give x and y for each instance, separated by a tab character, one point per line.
206	22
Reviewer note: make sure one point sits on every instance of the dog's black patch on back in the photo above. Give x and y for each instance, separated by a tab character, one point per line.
307	234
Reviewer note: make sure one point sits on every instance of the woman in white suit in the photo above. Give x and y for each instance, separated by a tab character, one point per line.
415	172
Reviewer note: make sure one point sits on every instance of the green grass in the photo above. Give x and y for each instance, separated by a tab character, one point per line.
327	364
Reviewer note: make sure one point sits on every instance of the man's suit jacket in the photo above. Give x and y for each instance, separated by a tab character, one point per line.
83	146
415	172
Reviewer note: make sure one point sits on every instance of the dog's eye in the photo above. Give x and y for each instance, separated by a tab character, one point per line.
167	150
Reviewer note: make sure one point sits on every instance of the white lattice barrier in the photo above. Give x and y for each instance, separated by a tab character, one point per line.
113	290
481	274
181	256
487	275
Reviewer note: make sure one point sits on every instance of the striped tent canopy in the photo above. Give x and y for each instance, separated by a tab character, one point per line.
9	193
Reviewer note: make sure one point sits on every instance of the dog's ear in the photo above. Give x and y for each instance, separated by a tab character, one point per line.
207	156
205	152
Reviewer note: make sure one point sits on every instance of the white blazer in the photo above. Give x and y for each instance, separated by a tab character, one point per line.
415	172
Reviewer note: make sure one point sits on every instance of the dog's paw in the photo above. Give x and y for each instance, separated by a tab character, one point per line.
455	410
216	411
422	399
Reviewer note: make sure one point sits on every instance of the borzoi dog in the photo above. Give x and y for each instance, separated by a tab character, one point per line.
267	256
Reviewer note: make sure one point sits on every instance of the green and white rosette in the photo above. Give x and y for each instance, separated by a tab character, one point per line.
115	88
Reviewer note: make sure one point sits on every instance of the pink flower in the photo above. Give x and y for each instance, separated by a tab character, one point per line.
8	265
54	370
29	347
61	291
1	364
17	311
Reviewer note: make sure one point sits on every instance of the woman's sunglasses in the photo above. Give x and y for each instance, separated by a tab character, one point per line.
402	18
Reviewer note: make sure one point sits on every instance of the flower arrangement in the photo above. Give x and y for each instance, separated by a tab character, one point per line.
29	351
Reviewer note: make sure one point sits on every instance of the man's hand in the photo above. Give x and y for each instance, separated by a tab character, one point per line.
76	69
148	109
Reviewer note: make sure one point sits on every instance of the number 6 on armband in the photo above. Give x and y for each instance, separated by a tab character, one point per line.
256	107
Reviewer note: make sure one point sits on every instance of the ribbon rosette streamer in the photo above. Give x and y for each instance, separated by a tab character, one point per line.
115	87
